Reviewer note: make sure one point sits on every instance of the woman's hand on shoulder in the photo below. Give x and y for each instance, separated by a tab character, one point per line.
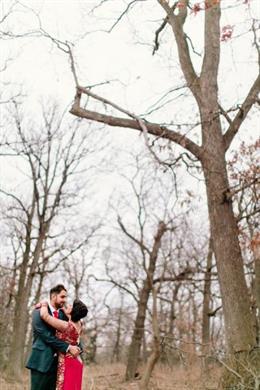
41	304
44	309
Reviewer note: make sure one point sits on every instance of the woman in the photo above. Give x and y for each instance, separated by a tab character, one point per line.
70	369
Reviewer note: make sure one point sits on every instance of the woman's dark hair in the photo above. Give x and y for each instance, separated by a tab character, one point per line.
79	310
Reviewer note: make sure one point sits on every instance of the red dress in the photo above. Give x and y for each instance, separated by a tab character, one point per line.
70	369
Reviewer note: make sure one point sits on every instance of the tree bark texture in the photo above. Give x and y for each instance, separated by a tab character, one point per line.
155	355
17	348
235	296
205	339
256	251
135	346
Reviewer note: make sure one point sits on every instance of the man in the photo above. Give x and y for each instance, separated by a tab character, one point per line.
44	357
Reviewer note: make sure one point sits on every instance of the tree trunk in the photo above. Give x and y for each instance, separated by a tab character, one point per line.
168	355
235	298
17	351
154	357
239	327
135	346
256	250
205	339
144	349
16	357
116	349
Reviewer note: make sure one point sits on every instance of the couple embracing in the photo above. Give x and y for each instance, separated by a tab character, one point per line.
55	361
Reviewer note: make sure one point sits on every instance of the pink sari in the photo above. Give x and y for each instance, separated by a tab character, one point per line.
70	369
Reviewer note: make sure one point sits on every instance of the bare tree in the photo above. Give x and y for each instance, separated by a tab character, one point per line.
53	154
147	245
216	140
244	177
134	349
116	353
155	355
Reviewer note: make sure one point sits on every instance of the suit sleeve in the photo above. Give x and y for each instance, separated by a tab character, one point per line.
45	334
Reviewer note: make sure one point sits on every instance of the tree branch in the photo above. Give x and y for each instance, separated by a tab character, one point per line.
139	243
157	33
242	113
120	286
184	275
135	123
177	22
212	42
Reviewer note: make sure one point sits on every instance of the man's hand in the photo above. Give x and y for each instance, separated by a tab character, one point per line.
74	350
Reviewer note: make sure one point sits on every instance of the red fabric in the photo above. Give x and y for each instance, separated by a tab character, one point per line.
56	314
73	374
70	369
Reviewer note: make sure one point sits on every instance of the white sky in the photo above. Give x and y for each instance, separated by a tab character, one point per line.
39	70
124	55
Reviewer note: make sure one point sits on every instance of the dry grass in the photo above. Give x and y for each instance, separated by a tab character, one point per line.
111	377
15	386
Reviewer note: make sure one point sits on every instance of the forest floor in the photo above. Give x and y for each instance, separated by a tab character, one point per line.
111	377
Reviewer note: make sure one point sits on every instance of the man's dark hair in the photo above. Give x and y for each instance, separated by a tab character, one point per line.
79	310
57	289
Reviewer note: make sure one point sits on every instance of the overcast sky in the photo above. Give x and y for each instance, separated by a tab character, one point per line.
137	79
123	56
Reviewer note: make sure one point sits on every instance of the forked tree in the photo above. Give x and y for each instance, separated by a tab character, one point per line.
216	140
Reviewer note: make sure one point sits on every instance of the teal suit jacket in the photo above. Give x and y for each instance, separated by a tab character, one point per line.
45	344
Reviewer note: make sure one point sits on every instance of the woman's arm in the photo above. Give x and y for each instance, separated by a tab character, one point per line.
52	321
44	333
